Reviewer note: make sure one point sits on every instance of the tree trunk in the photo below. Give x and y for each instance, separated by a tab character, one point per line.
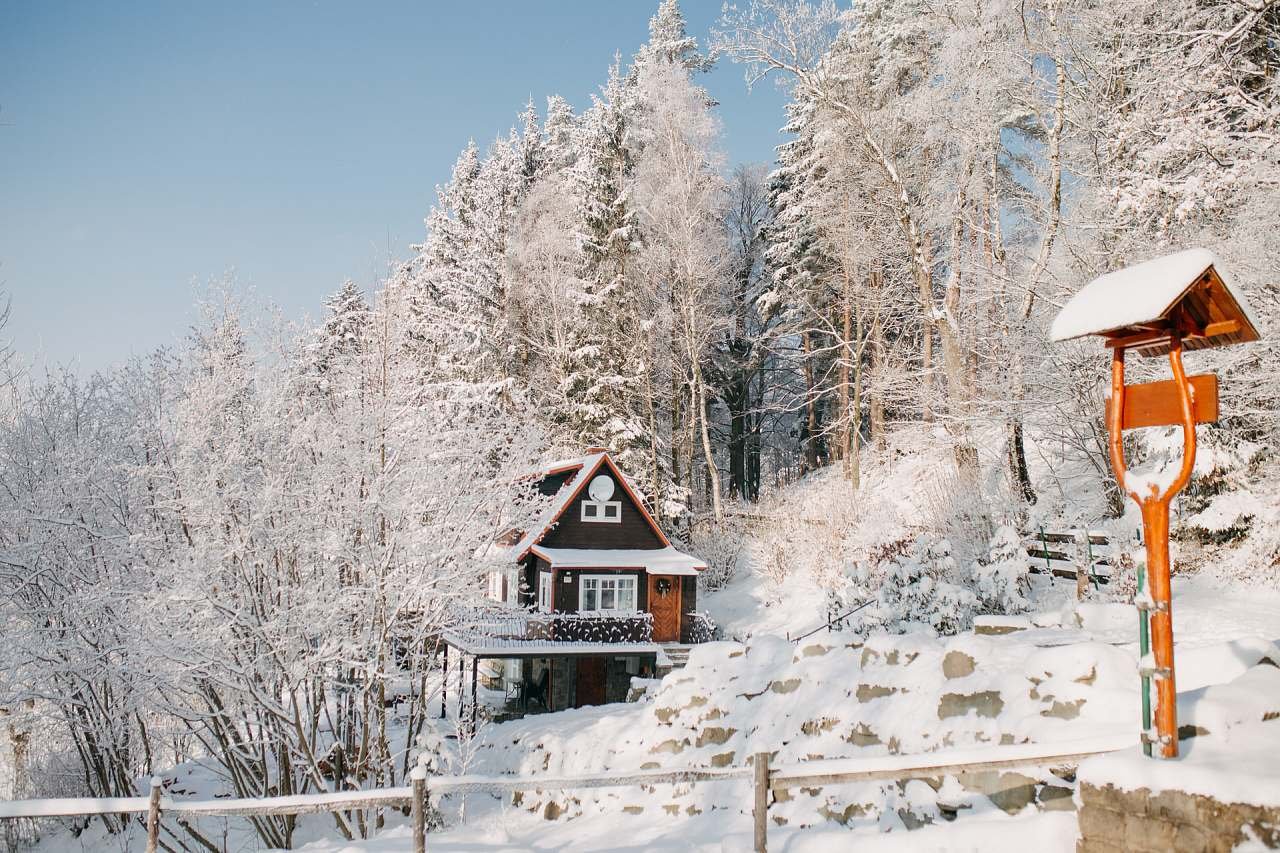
877	361
846	356
809	438
713	474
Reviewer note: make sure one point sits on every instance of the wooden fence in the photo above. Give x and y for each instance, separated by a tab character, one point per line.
1083	556
767	779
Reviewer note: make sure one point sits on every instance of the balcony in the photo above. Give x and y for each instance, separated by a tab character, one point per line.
522	631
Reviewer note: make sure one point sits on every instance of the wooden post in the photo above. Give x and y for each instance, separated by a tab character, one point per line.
475	676
419	808
1082	571
153	816
761	810
1154	504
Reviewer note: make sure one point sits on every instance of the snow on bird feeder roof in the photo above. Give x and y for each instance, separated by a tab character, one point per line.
1138	307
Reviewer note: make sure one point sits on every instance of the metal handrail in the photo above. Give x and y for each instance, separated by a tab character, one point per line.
831	622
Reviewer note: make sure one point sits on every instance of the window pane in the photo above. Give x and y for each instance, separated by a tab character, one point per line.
608	598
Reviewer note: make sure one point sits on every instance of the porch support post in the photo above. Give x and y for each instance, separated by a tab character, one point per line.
475	674
444	683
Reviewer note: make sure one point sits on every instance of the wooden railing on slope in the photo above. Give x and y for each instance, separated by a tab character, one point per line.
768	779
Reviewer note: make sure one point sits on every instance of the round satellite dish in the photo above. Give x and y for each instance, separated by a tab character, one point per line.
601	489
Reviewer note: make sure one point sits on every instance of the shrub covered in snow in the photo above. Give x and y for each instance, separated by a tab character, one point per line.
918	587
720	545
1002	579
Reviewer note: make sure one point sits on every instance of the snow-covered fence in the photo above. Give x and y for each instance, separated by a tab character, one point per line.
1078	555
767	779
813	774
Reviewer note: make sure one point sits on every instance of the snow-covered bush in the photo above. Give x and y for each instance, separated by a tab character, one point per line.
720	545
1002	578
774	561
955	507
918	588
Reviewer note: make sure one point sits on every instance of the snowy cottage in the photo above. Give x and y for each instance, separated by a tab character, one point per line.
603	597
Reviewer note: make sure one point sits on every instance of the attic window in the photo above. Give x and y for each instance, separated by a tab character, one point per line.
602	511
598	506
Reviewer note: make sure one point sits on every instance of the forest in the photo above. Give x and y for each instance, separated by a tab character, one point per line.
236	549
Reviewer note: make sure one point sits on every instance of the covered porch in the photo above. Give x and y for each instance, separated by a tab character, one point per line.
547	662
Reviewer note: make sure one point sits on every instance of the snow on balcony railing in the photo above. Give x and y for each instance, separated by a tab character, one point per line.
514	628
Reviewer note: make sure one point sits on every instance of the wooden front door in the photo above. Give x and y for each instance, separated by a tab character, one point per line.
664	604
590	681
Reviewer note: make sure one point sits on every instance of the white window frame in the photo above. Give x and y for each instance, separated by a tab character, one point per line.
618	581
602	512
544	591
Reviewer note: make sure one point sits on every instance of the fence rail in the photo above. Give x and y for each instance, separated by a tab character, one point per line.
1079	555
767	780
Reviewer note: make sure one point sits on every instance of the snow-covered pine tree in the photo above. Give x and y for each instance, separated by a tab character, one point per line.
669	40
559	131
347	315
530	147
609	365
801	268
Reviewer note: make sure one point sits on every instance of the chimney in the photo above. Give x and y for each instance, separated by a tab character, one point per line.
593	450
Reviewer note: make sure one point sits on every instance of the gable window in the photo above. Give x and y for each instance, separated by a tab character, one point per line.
602	511
607	593
544	591
599	504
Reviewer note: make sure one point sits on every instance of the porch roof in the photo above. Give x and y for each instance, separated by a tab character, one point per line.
657	561
503	647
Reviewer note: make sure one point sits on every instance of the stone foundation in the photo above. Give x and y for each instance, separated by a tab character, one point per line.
1113	820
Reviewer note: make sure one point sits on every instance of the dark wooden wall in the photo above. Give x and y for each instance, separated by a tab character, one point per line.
632	532
567	595
688	593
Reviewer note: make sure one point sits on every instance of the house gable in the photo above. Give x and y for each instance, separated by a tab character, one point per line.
632	530
565	527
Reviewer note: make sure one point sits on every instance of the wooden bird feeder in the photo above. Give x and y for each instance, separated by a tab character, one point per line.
1161	307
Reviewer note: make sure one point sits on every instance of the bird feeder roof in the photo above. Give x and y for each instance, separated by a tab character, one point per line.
1139	307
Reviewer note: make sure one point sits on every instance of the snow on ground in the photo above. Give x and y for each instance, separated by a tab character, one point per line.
1070	674
834	696
709	833
812	519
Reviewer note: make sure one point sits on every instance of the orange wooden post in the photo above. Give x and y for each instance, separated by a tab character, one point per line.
1176	302
1155	524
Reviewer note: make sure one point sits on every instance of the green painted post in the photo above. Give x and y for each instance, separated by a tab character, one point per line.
1144	648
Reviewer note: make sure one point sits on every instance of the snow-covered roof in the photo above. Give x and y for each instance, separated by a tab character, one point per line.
1143	294
658	561
508	646
585	468
561	465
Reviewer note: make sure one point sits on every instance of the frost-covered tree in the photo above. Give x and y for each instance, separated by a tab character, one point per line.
669	41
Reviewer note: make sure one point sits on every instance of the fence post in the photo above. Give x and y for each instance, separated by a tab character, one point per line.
761	810
419	808
153	816
1082	571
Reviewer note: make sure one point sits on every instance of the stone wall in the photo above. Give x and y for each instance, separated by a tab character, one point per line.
1113	820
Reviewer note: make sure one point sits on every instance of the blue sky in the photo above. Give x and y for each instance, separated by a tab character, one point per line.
148	148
